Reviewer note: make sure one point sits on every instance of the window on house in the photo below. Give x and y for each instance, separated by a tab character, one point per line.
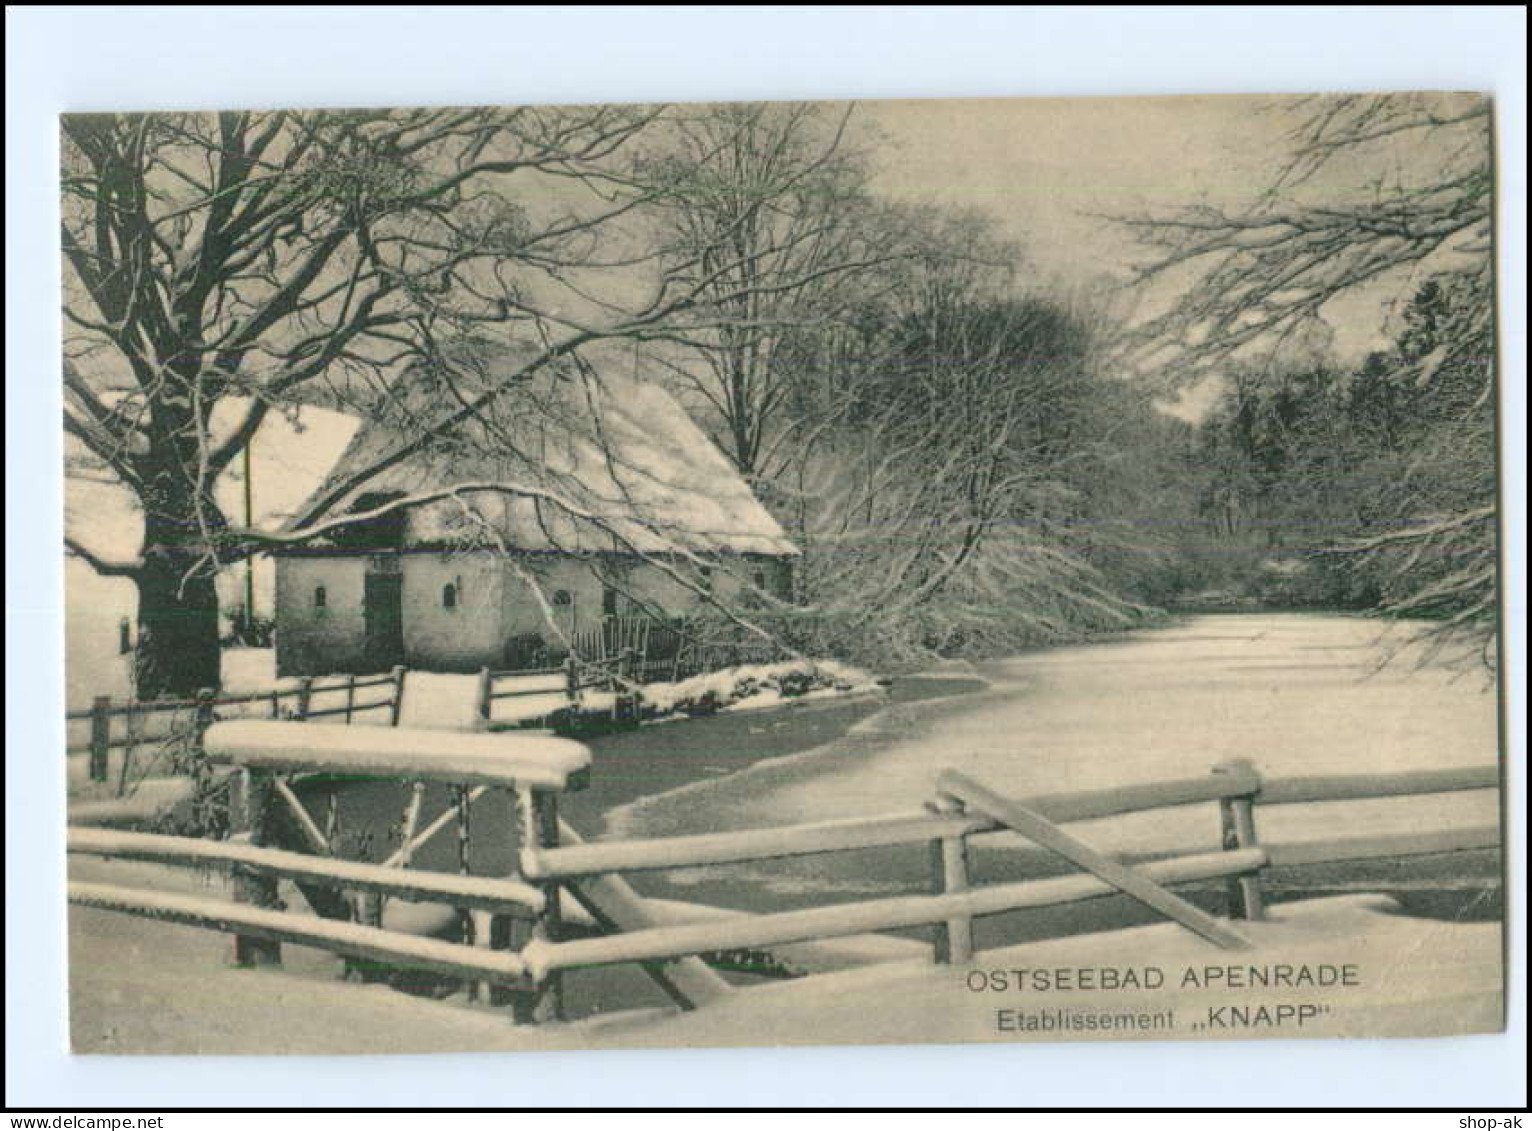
706	578
449	596
760	580
608	601
321	598
562	598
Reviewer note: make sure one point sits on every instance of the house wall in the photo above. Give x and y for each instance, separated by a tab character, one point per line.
650	585
732	579
494	605
318	640
637	583
467	636
554	574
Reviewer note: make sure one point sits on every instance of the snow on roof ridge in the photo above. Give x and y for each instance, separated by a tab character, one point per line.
652	474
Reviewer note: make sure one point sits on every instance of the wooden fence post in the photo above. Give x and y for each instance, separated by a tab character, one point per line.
100	736
398	705
626	664
539	821
132	722
1041	831
950	874
1236	817
463	801
572	680
305	696
481	701
251	886
350	695
202	718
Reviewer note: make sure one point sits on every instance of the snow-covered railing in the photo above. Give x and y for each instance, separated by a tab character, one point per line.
670	942
531	762
488	894
346	894
964	809
885	830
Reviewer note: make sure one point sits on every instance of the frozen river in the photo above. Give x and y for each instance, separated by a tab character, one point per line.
1293	693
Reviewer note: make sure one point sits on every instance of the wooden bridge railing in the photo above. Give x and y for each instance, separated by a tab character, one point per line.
555	864
533	769
964	810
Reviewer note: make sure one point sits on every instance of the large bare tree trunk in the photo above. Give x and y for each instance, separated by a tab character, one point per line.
178	626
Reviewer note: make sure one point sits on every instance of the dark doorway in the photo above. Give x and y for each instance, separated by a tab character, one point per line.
383	607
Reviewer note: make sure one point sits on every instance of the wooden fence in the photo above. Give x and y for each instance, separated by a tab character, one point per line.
964	810
347	895
616	677
555	865
612	657
156	731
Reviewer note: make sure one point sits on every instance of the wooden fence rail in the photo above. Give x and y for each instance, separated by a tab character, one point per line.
860	918
617	675
1136	883
275	927
865	832
948	827
133	726
618	655
505	896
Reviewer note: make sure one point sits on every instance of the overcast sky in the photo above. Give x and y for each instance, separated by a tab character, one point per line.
1042	167
1049	169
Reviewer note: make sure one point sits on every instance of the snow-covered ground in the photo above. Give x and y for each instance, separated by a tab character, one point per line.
757	687
144	987
1416	978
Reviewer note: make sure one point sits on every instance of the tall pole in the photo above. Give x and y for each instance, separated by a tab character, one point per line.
249	525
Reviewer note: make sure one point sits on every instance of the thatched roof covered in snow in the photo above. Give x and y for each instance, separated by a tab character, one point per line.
622	465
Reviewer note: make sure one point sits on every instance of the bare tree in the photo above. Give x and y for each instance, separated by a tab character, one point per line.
766	204
940	514
1346	214
1342	213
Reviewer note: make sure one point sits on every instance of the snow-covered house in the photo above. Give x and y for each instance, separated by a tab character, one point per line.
576	500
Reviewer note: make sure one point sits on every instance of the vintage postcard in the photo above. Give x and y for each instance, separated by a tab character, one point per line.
782	573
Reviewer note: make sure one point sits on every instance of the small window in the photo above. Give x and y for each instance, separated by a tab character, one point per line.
706	573
562	598
449	596
321	598
760	580
608	601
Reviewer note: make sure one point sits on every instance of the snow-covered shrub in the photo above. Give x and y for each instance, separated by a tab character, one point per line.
751	685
